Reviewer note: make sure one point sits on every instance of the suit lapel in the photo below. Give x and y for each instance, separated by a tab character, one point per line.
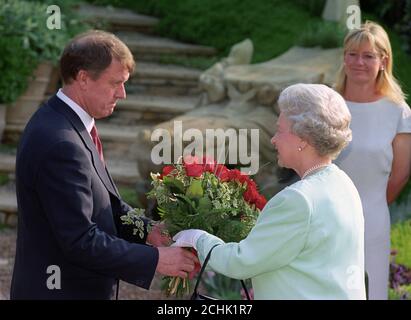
112	183
73	118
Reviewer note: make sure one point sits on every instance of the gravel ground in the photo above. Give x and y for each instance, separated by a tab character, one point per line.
7	251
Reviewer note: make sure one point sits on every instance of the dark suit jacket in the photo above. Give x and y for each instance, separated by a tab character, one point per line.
69	211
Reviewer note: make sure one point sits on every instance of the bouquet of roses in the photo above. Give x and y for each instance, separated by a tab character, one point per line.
195	194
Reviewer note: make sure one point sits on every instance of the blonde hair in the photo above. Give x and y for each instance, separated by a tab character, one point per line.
319	115
375	35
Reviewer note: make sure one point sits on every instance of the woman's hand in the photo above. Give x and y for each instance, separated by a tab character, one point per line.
188	238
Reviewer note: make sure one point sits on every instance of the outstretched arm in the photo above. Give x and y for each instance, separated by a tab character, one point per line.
277	238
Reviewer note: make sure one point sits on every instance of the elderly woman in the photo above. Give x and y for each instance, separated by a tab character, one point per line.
308	240
378	160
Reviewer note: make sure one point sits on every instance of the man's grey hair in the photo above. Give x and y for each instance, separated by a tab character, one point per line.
319	115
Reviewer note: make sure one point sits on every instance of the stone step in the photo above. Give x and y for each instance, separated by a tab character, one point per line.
120	142
138	108
123	171
117	19
106	131
147	70
164	79
8	203
7	162
151	48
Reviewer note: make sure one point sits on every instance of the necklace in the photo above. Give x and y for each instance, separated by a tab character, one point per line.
313	168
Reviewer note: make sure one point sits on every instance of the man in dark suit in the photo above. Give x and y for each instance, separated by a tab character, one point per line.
69	208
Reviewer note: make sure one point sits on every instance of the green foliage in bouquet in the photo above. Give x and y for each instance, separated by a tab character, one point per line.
134	218
195	194
206	202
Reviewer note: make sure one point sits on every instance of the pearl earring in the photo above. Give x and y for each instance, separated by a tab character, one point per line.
300	149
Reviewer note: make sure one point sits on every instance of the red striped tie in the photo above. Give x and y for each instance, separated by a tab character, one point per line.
97	142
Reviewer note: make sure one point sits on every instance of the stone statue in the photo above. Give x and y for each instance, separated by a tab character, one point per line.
212	80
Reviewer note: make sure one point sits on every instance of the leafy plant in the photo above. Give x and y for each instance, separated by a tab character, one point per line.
400	293
129	195
25	41
202	194
17	64
2	226
324	34
400	266
4	179
401	242
205	195
315	7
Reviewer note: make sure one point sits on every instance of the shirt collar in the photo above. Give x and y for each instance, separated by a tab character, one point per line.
85	118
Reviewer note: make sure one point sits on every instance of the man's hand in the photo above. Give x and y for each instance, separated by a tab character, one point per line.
175	261
158	236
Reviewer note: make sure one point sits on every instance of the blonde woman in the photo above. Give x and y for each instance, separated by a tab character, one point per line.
379	157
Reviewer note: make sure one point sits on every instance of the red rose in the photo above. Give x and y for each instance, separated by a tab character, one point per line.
167	170
194	170
197	266
209	164
222	172
235	174
251	195
244	178
261	202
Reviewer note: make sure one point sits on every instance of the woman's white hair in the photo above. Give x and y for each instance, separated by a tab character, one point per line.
319	115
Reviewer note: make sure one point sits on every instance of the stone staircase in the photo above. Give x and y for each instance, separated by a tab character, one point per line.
149	48
155	93
164	80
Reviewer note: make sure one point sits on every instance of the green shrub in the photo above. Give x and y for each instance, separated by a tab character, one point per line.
129	195
315	7
324	34
17	64
25	41
272	25
400	293
4	179
401	242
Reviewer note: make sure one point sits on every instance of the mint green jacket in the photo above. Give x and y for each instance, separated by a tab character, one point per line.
308	243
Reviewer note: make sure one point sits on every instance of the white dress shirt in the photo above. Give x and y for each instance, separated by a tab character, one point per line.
85	118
